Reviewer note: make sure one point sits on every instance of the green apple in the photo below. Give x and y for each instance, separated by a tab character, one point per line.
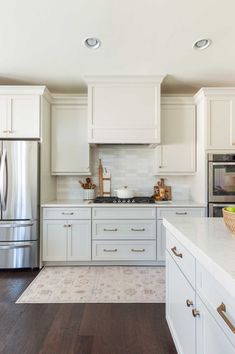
232	209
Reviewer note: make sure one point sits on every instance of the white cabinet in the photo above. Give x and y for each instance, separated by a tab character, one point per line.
54	240
180	299
217	110
65	238
161	231
177	152
210	338
20	116
70	149
124	109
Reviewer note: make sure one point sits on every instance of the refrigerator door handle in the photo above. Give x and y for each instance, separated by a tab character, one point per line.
13	246
14	225
3	167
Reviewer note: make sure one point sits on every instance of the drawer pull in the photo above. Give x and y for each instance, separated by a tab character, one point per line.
110	250
181	213
67	213
222	312
177	254
195	313
189	303
65	225
138	250
132	229
110	229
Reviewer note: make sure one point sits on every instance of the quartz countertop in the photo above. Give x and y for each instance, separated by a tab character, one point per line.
211	243
81	203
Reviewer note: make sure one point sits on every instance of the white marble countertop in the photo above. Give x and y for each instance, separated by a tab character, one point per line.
212	244
81	203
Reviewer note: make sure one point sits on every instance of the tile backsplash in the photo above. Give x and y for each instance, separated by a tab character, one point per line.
132	167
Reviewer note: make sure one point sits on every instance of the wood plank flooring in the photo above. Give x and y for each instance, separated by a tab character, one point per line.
78	328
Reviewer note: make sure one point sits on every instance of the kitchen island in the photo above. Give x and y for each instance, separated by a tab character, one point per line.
200	285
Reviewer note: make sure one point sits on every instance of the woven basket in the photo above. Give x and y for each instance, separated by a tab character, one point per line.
229	219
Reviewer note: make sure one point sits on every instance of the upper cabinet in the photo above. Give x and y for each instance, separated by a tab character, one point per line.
124	109
69	146
20	111
216	109
177	152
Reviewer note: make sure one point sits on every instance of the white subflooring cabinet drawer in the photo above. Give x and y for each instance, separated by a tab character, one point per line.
123	213
67	213
182	257
168	212
124	229
123	251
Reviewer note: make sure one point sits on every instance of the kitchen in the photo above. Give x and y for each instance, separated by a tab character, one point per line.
105	180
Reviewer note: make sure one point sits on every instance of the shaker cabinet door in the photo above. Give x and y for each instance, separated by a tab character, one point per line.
79	240
176	153
178	314
3	116
70	149
54	240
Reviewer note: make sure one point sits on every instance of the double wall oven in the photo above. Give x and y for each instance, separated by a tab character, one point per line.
221	182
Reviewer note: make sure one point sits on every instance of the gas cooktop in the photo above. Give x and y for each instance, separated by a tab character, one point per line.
116	200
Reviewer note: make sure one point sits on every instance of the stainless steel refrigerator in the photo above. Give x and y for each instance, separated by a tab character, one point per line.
19	204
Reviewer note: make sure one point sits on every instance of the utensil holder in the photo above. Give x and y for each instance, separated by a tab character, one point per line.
88	194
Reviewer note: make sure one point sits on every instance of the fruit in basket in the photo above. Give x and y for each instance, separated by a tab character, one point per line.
231	209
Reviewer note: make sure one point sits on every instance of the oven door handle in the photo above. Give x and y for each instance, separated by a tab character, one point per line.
223	164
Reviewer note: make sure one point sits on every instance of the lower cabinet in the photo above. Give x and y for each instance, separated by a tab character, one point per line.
210	338
67	240
180	299
192	312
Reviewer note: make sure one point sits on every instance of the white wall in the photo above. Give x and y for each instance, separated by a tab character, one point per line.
132	167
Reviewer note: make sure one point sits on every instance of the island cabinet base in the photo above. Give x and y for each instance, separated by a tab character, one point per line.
201	313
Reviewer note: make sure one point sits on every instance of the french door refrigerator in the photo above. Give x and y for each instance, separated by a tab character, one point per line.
19	203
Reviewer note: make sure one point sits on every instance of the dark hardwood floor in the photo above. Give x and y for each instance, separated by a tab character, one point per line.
78	328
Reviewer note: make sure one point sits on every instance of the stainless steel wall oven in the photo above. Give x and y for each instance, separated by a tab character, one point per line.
221	182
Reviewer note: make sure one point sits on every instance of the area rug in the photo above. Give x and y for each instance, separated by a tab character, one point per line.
97	284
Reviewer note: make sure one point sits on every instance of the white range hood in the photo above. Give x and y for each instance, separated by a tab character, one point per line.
124	109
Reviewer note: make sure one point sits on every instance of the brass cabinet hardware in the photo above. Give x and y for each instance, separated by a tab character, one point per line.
67	213
110	250
189	303
65	225
110	229
181	213
222	312
177	254
195	312
132	229
138	250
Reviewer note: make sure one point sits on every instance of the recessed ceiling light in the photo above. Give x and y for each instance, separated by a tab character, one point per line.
92	43
202	44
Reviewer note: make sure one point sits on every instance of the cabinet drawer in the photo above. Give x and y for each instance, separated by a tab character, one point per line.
66	213
123	213
213	294
124	229
124	250
168	212
182	257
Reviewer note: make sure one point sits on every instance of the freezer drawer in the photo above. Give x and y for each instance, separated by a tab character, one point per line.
19	254
18	230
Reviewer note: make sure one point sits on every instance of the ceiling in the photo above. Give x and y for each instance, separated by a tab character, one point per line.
41	42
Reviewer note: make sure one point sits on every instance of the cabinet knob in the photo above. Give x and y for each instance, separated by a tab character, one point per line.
195	312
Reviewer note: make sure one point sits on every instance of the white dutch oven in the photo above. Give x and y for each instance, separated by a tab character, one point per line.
124	193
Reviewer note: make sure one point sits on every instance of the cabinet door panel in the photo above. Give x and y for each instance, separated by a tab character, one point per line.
179	315
3	116
210	337
54	240
161	241
70	150
24	117
220	123
79	241
176	154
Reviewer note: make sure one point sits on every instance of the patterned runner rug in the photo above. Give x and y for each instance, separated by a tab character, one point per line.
116	284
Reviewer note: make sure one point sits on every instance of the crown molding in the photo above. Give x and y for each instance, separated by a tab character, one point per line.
66	99
123	79
214	91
